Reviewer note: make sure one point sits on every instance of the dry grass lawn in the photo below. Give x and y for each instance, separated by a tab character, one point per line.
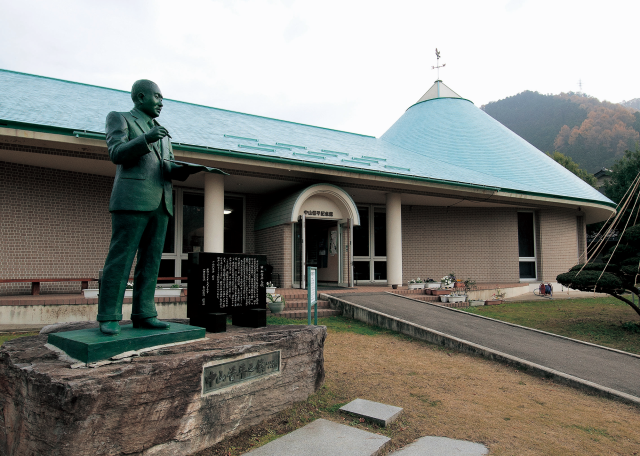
455	395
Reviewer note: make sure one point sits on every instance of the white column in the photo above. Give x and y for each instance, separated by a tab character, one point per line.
214	213
394	239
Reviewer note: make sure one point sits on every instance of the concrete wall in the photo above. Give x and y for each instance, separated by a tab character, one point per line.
39	314
481	244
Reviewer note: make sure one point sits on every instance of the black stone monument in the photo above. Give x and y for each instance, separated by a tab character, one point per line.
226	284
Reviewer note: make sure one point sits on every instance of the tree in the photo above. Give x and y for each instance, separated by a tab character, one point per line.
617	273
619	270
623	174
572	166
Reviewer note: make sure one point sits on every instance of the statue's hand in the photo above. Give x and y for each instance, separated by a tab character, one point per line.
156	133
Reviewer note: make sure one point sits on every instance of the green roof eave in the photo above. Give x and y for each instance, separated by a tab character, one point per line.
268	158
288	161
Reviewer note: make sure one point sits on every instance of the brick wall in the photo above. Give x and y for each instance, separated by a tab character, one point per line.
275	242
52	224
558	242
481	244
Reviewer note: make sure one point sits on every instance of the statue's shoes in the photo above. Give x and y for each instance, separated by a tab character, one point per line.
110	328
150	323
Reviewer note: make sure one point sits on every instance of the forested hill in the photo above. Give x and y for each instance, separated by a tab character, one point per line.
593	133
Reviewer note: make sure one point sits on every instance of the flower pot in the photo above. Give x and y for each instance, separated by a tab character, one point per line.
416	286
271	290
444	298
276	307
433	285
476	303
459	285
457	298
492	302
128	293
439	292
167	292
90	293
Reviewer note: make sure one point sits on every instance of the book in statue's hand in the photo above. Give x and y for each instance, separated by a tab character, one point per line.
198	167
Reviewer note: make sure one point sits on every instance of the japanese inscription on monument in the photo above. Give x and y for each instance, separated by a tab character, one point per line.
225	283
221	376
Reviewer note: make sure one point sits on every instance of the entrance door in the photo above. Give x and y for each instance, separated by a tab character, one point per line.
321	244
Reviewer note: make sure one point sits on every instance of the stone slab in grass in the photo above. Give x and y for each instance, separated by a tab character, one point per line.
323	437
376	412
441	446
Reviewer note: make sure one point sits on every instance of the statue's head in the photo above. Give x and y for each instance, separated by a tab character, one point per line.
147	97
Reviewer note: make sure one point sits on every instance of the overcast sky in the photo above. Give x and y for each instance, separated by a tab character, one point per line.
349	65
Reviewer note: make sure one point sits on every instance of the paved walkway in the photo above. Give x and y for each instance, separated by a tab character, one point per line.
611	369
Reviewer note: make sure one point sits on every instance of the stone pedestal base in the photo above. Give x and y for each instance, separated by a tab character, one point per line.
174	400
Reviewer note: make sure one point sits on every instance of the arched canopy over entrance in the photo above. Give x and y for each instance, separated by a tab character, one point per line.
322	217
319	201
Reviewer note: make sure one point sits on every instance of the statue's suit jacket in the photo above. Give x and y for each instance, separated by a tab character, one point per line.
142	176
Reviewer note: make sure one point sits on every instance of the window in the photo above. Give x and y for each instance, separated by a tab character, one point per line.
370	245
527	245
185	231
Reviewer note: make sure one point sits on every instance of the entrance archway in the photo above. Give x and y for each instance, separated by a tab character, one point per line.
322	217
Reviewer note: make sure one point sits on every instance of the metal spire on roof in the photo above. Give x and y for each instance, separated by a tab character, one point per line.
438	66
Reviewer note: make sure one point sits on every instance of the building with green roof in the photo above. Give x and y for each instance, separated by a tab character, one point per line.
445	189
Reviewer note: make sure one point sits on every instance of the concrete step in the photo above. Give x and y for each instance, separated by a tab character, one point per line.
425	298
297	313
322	438
302	304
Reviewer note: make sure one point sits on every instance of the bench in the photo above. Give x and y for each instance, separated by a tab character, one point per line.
35	283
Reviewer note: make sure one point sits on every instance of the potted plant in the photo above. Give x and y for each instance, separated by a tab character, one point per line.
497	298
469	286
416	284
448	281
444	298
173	290
457	296
271	288
430	283
275	302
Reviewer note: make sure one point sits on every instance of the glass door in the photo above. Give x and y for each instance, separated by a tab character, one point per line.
370	246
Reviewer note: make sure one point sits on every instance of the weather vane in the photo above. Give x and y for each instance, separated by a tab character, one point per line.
438	66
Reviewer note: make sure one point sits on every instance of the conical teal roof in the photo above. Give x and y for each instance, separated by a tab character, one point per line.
454	131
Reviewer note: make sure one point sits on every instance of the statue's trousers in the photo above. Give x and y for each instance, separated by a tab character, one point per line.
133	231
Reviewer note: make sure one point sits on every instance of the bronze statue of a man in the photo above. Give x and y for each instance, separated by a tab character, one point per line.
141	204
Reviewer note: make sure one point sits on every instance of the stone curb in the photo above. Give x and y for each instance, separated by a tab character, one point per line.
376	318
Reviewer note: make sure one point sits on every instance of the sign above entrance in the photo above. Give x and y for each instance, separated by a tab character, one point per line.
310	202
321	206
319	213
